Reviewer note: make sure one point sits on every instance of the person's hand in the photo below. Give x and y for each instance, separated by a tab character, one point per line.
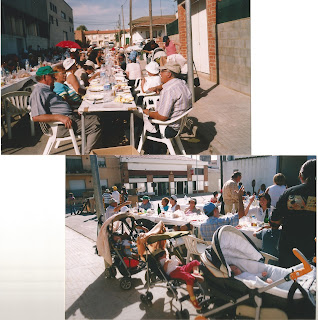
264	274
146	112
66	121
240	192
152	89
252	198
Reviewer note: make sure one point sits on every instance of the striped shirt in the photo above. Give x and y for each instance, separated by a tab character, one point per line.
66	92
208	228
175	99
106	196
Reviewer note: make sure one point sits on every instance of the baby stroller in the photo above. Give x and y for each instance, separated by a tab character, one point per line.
291	294
155	272
113	252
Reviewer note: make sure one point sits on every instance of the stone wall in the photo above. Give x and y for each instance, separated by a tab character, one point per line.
234	55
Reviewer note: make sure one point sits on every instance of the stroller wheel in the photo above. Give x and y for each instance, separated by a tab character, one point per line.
149	296
125	283
143	298
183	314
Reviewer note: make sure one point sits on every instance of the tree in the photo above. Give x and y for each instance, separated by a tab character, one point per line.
81	27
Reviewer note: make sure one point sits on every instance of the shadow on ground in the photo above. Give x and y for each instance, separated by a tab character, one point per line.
110	301
200	93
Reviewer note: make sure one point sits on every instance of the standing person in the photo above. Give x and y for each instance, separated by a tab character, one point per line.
262	189
71	202
116	194
277	189
123	195
106	197
296	212
230	189
170	46
214	198
215	221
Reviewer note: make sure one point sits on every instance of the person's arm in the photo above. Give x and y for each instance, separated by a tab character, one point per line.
177	207
143	81
121	205
72	80
96	74
155	115
52	118
241	212
248	206
156	89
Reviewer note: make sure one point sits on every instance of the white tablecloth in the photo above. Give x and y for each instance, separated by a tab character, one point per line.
17	84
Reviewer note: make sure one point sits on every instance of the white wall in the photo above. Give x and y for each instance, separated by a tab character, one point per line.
214	178
261	169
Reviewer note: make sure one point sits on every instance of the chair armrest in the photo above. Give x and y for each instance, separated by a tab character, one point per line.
173	119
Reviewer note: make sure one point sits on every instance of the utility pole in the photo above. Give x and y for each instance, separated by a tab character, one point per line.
130	22
97	189
122	12
119	35
150	19
189	48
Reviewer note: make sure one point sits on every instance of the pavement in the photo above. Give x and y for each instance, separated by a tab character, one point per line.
89	295
220	123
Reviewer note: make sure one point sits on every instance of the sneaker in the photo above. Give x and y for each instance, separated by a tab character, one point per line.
198	277
195	303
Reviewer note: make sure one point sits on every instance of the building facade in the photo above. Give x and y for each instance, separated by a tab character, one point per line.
262	169
101	38
61	24
154	175
221	40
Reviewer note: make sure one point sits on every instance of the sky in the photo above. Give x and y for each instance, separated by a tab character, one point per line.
104	14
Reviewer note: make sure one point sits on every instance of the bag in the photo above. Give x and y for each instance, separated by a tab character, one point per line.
196	80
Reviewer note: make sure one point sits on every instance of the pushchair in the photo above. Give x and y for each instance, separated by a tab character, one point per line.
114	254
149	247
292	293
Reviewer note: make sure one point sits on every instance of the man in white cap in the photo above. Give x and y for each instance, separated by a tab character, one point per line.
114	208
47	106
175	99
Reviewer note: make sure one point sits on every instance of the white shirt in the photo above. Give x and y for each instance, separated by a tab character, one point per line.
172	265
134	71
109	212
275	192
151	81
259	213
116	196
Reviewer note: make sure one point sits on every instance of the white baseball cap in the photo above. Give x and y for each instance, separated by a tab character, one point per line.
67	64
152	67
89	63
73	49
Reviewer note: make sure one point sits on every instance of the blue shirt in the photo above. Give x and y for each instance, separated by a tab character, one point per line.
208	228
65	91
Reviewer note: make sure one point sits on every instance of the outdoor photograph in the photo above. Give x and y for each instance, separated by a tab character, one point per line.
190	237
155	77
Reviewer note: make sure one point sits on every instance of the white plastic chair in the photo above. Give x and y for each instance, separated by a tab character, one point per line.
151	101
194	246
52	134
162	127
16	103
137	84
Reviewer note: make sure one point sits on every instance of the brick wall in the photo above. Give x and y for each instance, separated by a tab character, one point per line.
234	55
182	30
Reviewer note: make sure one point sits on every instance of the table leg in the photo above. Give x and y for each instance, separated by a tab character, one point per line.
132	129
83	133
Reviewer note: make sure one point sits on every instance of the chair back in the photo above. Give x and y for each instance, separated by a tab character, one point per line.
191	244
184	118
16	102
151	101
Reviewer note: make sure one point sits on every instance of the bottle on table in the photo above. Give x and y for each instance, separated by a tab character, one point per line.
27	65
158	210
266	218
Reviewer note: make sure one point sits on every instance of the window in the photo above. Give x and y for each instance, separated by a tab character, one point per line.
94	37
70	29
63	15
53	7
51	19
147	34
104	183
57	22
101	162
155	34
70	19
65	37
199	171
74	165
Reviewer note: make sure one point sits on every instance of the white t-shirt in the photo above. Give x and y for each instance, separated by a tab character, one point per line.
172	264
151	81
259	213
275	192
134	71
116	196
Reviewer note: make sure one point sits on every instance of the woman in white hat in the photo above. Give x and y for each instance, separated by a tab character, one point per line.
153	79
70	67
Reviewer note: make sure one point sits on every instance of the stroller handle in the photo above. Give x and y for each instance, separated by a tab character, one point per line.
306	269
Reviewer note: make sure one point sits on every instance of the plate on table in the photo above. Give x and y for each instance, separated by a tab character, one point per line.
96	88
94	97
94	81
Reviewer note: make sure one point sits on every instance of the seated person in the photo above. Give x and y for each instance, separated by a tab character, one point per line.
133	69
175	99
189	273
121	61
192	207
215	221
114	208
165	204
173	202
145	203
70	67
47	106
153	79
129	247
270	239
262	210
249	276
62	89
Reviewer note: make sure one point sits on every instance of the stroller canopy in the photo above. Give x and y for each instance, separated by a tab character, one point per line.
228	242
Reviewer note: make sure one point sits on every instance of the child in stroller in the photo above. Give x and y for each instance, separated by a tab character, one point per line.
189	273
129	248
249	276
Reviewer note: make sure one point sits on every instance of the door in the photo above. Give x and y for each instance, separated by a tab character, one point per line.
200	36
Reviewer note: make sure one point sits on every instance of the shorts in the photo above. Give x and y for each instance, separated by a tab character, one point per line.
184	272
